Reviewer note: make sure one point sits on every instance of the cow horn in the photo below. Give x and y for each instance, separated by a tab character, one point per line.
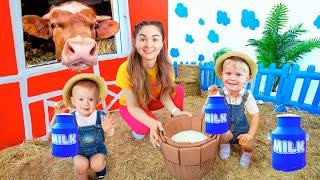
102	18
46	16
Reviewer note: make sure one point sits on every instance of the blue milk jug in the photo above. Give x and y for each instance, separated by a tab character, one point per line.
216	115
288	144
64	136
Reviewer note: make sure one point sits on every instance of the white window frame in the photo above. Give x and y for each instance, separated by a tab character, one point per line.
120	13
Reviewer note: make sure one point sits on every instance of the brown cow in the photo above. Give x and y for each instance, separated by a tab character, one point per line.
73	27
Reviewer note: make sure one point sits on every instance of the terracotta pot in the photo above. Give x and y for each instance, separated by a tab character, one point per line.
187	160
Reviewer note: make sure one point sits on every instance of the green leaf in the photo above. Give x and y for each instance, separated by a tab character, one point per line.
300	49
277	19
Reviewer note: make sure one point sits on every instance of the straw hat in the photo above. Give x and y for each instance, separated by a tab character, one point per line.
67	89
252	65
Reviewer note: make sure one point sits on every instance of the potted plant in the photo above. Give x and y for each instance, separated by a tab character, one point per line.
280	47
220	52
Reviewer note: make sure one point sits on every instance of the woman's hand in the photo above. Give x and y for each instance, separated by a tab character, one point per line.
154	137
190	114
108	123
177	112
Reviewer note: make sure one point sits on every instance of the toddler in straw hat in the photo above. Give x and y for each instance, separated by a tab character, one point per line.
235	69
83	92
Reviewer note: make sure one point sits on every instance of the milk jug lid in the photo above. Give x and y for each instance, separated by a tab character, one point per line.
64	114
216	95
288	115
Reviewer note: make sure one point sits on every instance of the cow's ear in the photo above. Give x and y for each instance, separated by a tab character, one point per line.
107	28
36	26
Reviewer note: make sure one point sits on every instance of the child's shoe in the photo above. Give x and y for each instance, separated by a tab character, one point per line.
101	174
224	151
138	137
100	177
245	159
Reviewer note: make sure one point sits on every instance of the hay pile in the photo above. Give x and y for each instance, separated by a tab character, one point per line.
188	77
129	159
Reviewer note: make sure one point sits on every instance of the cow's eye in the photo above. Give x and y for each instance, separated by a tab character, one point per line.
54	25
95	26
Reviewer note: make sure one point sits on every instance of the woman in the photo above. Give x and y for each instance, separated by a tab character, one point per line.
147	83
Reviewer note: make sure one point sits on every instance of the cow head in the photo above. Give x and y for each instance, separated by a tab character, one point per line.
74	30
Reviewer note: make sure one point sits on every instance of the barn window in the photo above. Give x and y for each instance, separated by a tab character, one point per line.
39	53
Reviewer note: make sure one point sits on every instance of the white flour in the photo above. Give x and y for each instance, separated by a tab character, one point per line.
189	136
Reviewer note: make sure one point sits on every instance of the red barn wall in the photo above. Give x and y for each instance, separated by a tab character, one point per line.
7	52
12	130
11	119
149	10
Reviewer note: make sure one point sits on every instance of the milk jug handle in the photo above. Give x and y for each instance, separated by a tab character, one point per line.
269	136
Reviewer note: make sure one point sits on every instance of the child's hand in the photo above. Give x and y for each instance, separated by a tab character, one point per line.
212	90
244	139
108	124
60	107
49	136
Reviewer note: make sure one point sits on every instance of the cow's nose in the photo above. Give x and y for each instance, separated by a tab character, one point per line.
85	48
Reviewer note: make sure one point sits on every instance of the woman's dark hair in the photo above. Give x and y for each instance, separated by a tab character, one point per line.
138	74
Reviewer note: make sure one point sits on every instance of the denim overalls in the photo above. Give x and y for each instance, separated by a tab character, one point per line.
91	138
238	122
